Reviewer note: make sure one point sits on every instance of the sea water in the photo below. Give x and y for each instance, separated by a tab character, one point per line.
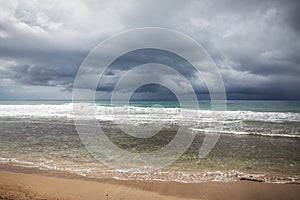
259	139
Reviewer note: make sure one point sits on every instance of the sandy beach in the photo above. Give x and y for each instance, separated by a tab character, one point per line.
15	185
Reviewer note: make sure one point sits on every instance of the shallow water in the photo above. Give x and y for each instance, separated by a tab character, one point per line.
261	145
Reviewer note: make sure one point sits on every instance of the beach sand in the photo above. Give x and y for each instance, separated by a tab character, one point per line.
15	185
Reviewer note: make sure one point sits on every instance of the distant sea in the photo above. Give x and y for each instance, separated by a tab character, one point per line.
260	140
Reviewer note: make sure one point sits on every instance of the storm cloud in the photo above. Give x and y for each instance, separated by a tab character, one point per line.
255	44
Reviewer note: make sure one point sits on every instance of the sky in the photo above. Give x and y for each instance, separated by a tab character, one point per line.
255	44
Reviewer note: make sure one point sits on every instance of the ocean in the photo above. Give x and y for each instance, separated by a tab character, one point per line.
260	140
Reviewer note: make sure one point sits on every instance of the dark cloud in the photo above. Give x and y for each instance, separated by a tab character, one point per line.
255	44
292	15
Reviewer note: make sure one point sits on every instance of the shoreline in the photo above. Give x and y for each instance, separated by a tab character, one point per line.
17	183
169	175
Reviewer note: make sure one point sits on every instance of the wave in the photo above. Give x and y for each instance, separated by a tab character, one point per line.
188	176
247	133
144	113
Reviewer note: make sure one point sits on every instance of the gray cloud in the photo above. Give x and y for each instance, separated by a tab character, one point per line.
254	43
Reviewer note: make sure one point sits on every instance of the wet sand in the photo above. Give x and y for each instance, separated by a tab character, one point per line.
15	185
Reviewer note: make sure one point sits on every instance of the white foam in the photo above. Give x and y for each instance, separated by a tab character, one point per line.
247	133
96	171
143	113
141	116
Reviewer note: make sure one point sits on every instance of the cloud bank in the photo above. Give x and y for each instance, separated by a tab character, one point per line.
255	44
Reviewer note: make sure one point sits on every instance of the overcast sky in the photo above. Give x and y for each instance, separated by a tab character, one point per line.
255	44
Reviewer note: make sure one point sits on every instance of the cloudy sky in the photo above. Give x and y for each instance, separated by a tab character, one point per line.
255	44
